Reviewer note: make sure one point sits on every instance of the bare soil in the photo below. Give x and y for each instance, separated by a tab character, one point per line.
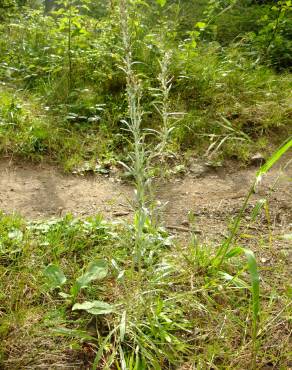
41	191
214	196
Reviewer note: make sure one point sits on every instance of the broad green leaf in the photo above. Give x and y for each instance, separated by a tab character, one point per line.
73	333
161	2
236	251
201	25
234	279
194	44
65	295
96	270
94	307
55	276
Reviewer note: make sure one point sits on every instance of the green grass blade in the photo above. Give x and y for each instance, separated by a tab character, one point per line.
257	208
273	159
255	290
255	282
101	349
224	248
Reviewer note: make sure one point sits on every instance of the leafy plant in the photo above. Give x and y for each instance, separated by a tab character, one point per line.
170	304
96	270
272	40
262	171
94	307
161	2
55	276
139	155
70	22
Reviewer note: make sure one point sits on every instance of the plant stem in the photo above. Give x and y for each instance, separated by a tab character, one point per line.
225	246
134	126
165	86
69	46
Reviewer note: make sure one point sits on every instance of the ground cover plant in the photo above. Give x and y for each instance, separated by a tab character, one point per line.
132	83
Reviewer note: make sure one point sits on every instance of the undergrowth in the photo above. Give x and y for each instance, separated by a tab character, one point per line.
213	82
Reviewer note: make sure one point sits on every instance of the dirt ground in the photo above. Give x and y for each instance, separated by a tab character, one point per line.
214	196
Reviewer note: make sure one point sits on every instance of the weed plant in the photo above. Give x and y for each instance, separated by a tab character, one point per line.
139	162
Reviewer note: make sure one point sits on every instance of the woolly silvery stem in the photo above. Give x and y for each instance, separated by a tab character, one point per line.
138	157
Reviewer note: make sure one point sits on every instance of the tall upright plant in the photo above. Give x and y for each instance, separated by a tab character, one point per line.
138	156
70	24
162	100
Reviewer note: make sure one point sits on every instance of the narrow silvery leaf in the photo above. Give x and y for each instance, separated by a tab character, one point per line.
123	326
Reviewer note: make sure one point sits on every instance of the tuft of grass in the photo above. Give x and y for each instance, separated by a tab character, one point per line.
30	131
223	85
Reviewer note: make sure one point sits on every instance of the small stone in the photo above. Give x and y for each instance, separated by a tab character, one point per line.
258	159
198	170
120	213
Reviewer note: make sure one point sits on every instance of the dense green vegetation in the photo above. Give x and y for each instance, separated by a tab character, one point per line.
140	82
63	92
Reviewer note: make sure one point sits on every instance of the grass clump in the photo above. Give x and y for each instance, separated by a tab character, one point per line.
227	88
30	131
182	311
